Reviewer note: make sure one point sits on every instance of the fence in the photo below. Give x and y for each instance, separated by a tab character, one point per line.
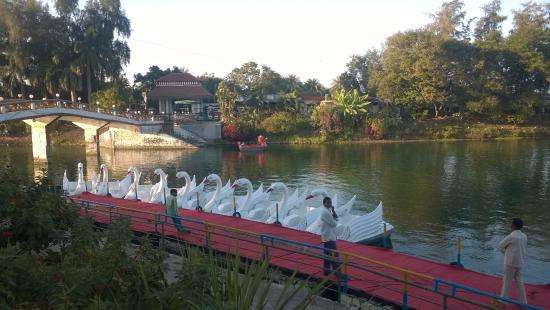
359	274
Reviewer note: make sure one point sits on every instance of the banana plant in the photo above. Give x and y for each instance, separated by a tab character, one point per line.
351	103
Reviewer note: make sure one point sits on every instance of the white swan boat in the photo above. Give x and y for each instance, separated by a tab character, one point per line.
367	228
291	210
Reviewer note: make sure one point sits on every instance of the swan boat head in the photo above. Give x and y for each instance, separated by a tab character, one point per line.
317	192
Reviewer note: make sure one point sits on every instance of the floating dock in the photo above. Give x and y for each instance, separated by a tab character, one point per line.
396	278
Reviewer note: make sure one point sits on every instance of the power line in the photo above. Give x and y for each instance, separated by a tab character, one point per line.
179	49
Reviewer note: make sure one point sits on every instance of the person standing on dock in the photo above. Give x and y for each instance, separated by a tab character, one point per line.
172	210
514	247
328	236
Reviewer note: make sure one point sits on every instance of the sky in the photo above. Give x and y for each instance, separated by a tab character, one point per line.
308	38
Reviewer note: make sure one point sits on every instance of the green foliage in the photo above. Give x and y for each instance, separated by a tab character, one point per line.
328	118
284	123
146	82
74	45
359	73
351	103
227	97
36	218
55	259
119	95
386	124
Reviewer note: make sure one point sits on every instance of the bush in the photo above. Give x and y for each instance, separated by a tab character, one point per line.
239	131
103	269
328	118
384	125
284	123
34	216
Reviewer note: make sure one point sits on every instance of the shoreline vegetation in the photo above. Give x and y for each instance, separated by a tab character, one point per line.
436	132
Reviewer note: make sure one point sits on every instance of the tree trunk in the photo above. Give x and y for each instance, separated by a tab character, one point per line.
436	110
73	94
89	81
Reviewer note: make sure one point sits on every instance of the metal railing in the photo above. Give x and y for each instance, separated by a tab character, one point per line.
14	105
357	271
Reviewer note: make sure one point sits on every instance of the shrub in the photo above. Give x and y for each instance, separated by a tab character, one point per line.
34	216
239	131
284	123
384	125
328	118
104	269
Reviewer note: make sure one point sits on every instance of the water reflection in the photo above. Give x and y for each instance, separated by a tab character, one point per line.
432	192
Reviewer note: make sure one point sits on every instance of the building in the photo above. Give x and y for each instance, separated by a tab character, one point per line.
182	93
309	103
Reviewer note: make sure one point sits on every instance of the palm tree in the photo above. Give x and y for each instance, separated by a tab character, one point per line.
313	87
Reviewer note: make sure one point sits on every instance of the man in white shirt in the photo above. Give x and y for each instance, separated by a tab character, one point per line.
328	236
514	247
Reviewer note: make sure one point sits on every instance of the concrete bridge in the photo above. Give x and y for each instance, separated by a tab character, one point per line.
112	130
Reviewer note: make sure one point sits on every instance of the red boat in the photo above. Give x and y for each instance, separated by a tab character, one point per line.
260	146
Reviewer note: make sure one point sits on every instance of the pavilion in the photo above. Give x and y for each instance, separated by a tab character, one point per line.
181	92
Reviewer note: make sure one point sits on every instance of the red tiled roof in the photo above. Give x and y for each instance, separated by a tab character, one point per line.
178	85
178	77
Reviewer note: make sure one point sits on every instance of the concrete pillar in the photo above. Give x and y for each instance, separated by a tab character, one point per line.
90	137
169	107
161	106
39	139
91	140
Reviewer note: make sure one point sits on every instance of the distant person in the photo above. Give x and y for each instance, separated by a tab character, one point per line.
261	140
172	210
328	236
514	247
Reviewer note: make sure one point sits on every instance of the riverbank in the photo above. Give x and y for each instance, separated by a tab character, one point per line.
425	132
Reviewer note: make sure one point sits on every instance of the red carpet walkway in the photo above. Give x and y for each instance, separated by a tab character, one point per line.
363	258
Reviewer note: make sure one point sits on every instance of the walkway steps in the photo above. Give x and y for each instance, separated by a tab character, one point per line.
366	273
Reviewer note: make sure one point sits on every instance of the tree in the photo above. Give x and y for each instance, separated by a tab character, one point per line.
46	54
412	74
227	97
530	37
489	26
449	21
358	73
24	51
118	95
313	87
146	82
102	27
210	82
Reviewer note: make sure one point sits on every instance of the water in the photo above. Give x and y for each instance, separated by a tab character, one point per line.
433	192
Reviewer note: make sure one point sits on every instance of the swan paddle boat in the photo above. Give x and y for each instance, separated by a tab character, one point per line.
294	209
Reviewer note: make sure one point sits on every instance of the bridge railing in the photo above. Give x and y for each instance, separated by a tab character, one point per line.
305	258
15	105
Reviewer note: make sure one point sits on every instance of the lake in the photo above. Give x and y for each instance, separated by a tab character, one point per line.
433	192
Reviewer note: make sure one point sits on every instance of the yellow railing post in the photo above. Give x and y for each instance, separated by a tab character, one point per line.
346	262
458	261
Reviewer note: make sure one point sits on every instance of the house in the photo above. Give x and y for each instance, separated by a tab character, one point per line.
182	93
309	102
